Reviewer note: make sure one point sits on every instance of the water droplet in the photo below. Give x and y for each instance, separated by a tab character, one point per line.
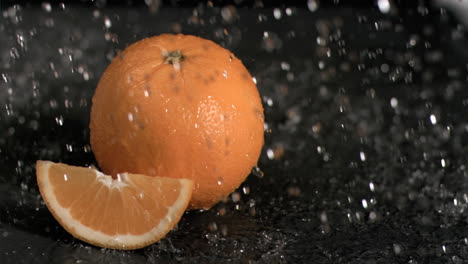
86	76
313	5
254	80
362	155
371	186
269	101
225	74
246	190
394	102
224	230
59	120
442	163
271	41
87	148
285	66
229	13
397	249
372	216
270	154
319	149
323	217
130	117
146	93
294	191
107	22
257	172
364	203
220	181
69	147
277	13
46	7
65	177
433	119
96	13
153	5
384	6
236	197
213	226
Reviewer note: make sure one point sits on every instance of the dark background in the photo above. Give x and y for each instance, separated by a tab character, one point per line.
365	154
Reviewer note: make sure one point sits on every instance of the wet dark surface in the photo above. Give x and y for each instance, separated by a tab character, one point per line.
365	158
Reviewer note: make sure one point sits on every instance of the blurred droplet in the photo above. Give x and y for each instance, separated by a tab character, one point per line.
364	203
107	22
394	102
235	197
313	5
271	41
153	5
433	119
46	7
397	249
294	191
59	120
229	13
384	6
362	156
277	13
258	172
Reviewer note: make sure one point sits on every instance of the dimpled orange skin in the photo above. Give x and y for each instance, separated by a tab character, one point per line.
179	106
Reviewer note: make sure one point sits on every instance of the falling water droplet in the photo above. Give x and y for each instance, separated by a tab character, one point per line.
384	6
59	120
313	5
46	7
433	119
394	102
270	154
107	22
397	249
69	147
257	172
153	5
236	197
364	203
362	155
277	13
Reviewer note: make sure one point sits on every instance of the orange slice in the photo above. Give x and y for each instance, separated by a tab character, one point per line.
129	212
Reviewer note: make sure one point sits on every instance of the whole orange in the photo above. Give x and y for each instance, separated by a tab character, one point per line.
179	106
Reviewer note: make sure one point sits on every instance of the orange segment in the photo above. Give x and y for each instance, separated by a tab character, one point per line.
129	212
